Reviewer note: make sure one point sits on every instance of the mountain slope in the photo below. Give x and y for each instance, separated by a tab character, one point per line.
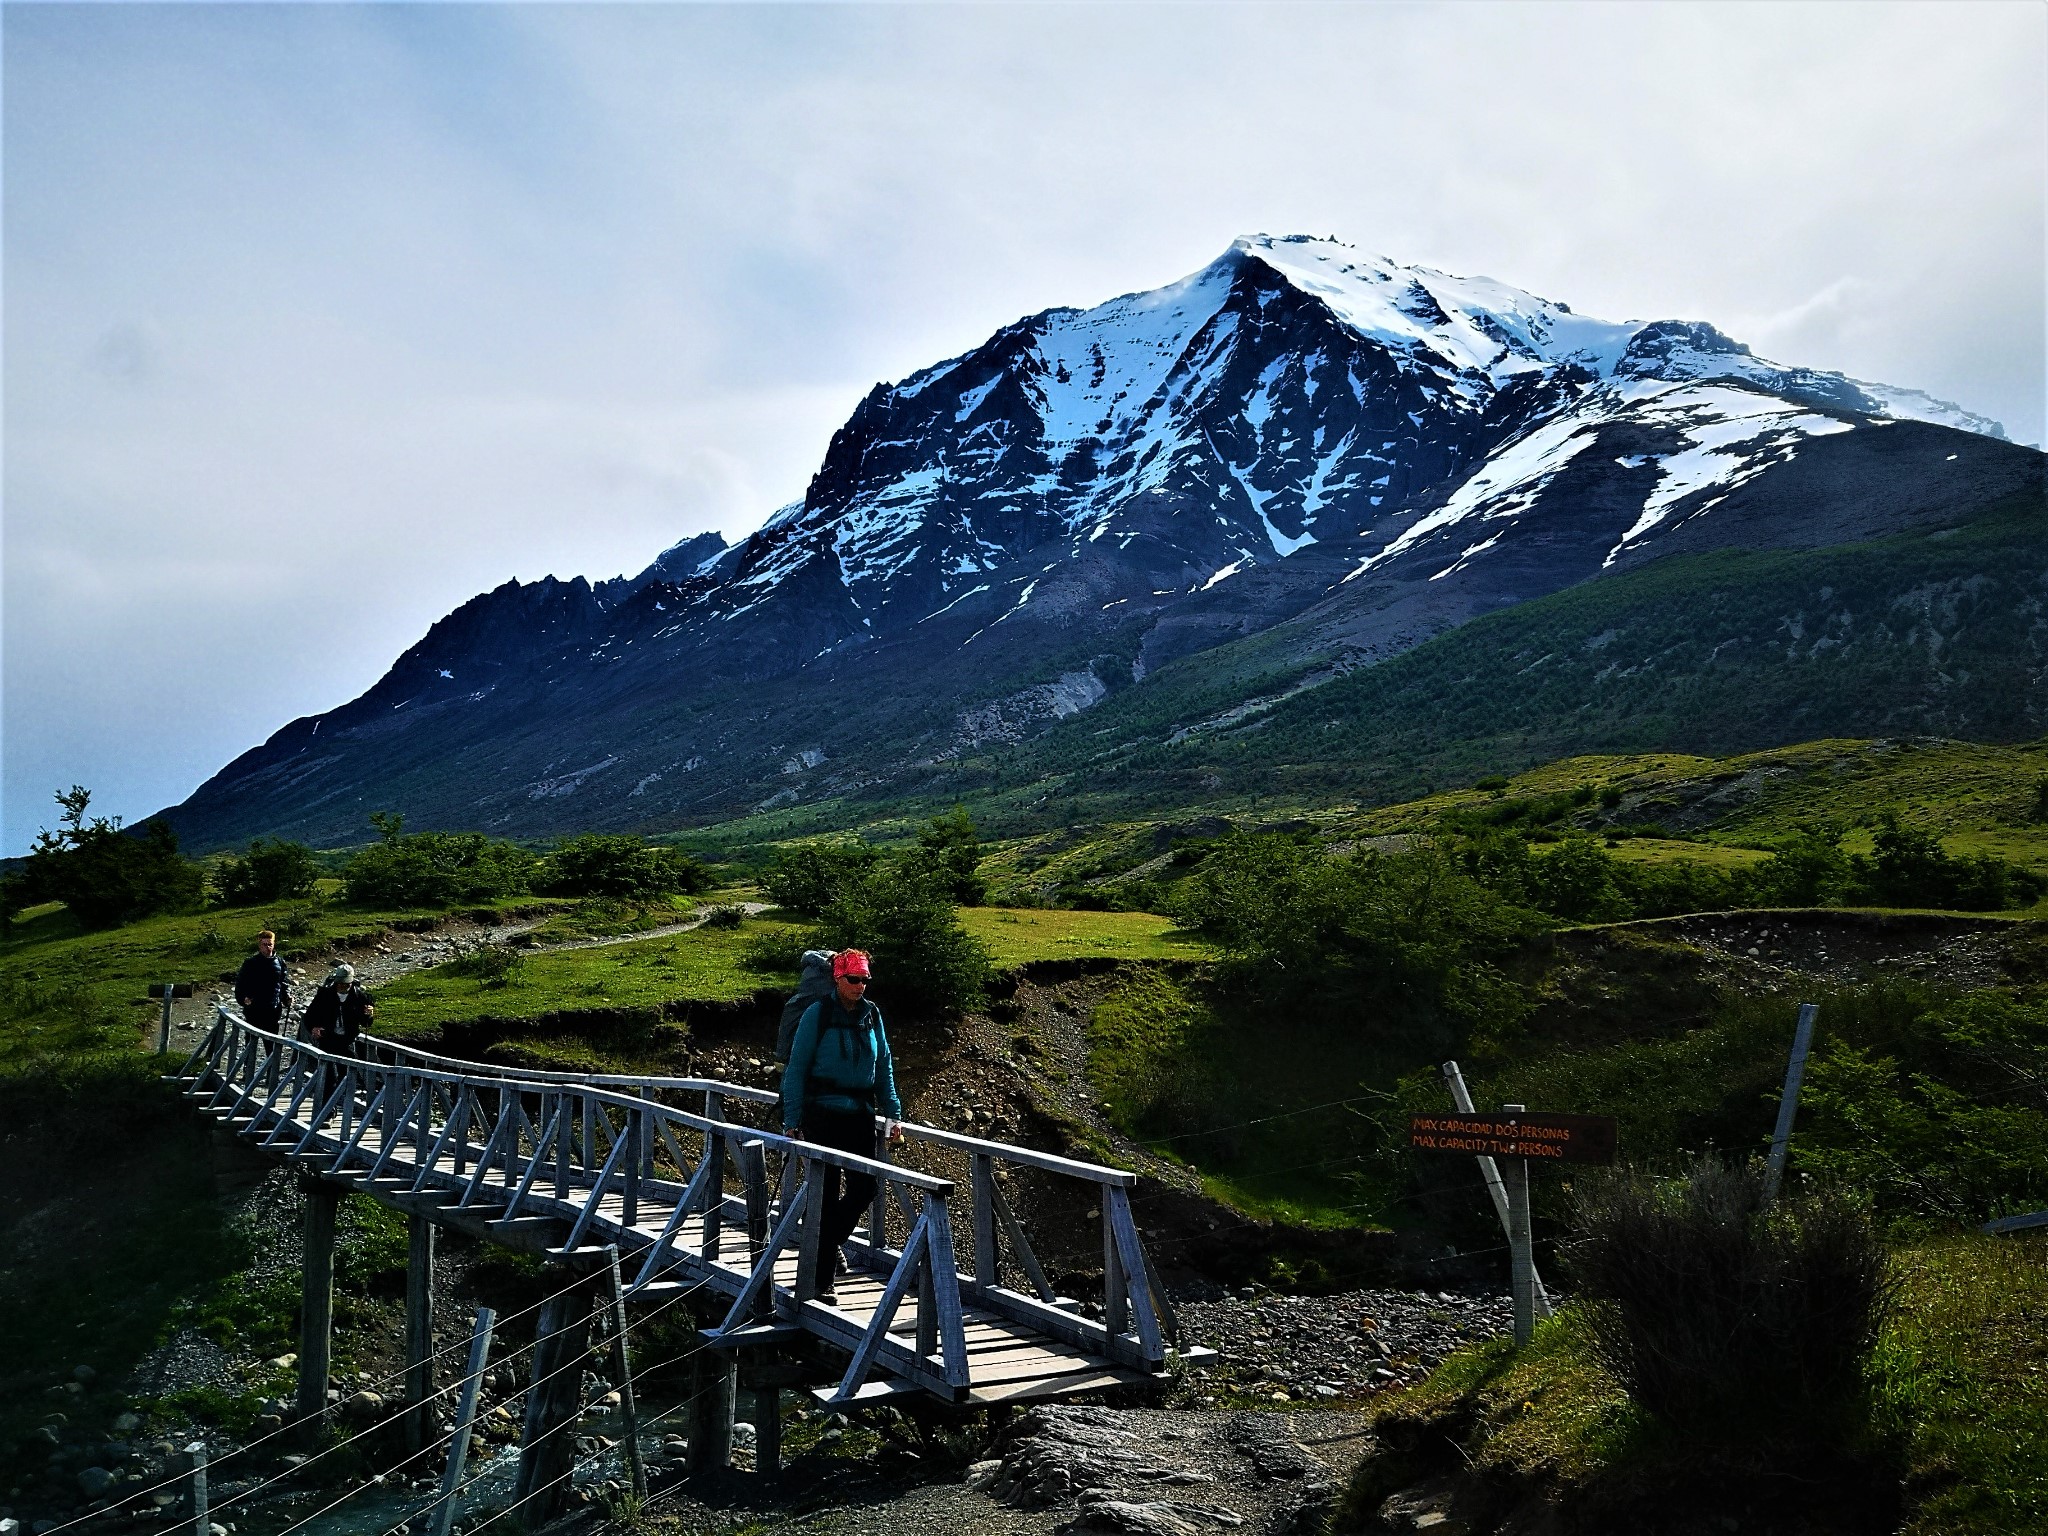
1942	632
1339	454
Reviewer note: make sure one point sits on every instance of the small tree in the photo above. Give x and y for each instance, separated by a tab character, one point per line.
808	878
105	873
434	869
951	847
902	913
616	865
273	870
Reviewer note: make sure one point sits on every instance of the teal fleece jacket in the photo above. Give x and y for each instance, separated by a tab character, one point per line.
839	1061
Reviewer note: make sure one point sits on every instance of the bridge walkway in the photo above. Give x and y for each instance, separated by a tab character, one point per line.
701	1199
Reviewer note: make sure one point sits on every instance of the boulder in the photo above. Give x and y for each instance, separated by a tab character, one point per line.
94	1482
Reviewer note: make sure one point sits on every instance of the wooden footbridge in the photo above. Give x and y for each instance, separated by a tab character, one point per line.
694	1196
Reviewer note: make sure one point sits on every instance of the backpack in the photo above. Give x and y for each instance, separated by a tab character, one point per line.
814	986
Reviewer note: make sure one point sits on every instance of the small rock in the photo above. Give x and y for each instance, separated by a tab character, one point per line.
84	1375
127	1424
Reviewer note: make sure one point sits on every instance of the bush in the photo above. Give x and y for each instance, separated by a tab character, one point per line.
1937	1106
807	878
902	913
1724	1317
273	870
606	864
106	874
1409	943
494	965
1908	867
434	869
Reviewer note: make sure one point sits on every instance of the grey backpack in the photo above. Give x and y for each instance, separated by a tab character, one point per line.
814	985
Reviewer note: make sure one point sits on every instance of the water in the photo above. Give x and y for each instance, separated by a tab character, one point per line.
488	1484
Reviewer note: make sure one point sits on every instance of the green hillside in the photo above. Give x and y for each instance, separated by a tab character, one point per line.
1939	633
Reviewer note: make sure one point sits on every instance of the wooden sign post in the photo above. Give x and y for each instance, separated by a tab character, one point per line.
1519	1137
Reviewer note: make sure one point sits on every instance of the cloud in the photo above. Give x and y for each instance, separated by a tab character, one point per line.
322	318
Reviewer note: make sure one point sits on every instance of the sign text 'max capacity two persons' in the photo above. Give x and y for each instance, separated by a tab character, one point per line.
1540	1138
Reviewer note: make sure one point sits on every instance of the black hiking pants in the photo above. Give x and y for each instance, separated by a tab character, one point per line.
846	1193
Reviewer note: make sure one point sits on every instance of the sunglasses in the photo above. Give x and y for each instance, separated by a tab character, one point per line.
858	981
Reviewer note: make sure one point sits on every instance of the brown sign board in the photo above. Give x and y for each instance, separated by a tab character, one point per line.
1539	1138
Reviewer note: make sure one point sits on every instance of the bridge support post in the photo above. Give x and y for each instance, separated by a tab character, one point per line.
547	1448
762	1376
712	1379
419	1332
316	1298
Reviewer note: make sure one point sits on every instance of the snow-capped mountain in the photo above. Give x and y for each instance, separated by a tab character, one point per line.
1298	433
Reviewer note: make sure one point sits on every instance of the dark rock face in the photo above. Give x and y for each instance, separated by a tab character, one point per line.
1296	436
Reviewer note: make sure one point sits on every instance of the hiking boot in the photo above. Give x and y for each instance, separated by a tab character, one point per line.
827	1295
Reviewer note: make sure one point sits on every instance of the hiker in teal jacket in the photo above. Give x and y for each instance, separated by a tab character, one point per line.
840	1075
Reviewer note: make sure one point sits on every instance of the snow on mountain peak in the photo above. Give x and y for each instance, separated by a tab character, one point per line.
1475	324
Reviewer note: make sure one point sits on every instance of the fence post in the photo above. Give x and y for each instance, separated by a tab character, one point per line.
200	1522
1489	1173
1521	1245
1788	1101
163	1034
465	1423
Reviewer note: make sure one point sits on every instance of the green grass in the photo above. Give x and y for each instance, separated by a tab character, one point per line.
1964	1375
1015	935
1661	851
64	992
703	965
724	965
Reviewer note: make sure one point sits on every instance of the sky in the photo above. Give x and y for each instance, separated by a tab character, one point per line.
321	319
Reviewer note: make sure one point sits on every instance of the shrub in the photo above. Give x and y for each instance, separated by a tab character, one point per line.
607	864
434	869
728	916
1724	1317
106	874
273	870
1410	941
1937	1106
807	878
902	913
1909	867
494	965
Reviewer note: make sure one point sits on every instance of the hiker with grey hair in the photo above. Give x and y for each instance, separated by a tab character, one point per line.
336	1017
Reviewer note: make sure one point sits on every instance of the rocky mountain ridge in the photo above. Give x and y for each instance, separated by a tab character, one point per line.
1297	434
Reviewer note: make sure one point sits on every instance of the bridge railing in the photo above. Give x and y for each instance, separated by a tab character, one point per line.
516	1150
1138	1324
553	1135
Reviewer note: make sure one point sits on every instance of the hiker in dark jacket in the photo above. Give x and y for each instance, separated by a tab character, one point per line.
840	1074
339	1010
263	987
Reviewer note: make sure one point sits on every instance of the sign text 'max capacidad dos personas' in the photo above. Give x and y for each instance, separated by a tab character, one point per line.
1540	1138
